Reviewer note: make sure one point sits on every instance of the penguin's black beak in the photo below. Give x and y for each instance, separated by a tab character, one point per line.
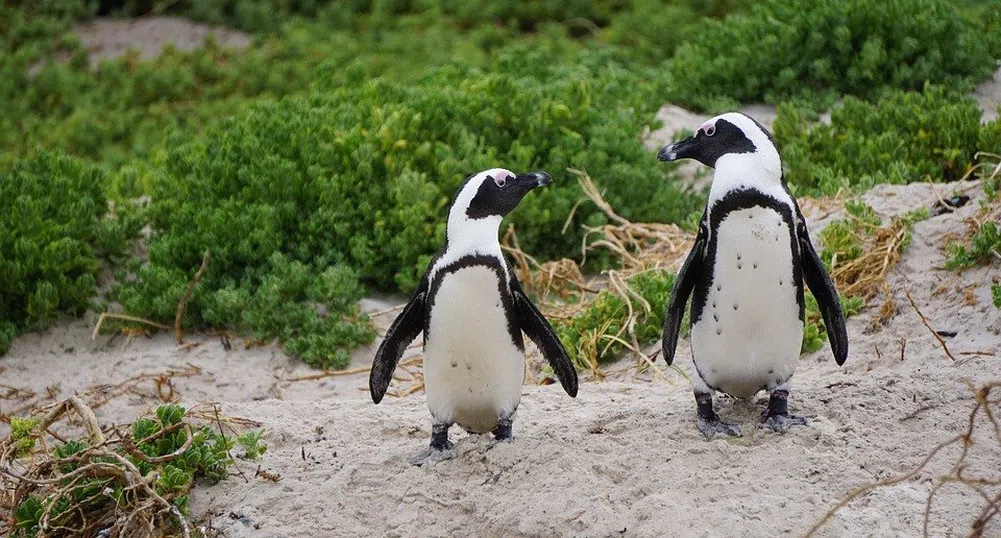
533	180
681	149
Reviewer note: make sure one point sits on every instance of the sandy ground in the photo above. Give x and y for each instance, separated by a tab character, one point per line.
622	459
111	38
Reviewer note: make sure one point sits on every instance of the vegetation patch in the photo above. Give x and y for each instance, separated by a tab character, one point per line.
819	50
904	137
122	482
56	233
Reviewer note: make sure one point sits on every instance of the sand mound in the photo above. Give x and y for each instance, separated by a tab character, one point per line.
110	38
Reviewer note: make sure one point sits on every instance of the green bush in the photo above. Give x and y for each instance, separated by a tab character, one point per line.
902	138
55	232
77	502
816	50
593	335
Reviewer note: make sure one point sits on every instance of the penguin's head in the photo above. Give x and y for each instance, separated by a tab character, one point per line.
487	197
729	137
495	192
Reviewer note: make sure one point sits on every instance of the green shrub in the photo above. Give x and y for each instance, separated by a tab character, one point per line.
361	175
594	335
902	138
55	232
996	295
103	496
817	50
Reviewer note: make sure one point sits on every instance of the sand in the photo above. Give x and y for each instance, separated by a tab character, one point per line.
622	459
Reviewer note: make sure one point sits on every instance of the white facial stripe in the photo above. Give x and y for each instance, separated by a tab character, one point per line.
471	236
711	123
761	170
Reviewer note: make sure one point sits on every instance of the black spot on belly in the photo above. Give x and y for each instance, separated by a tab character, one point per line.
734	307
719	287
719	330
715	317
771	371
454	364
738	257
781	282
714	303
469	366
755	265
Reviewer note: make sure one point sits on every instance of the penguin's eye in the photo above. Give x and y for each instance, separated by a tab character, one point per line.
710	130
500	181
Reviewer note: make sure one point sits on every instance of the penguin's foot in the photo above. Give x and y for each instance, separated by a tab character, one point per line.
777	418
782	423
432	455
440	449
709	422
503	431
711	425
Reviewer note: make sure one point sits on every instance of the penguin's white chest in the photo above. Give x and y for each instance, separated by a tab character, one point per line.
473	372
749	335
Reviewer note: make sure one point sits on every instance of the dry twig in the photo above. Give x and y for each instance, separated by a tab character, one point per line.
182	305
985	408
928	325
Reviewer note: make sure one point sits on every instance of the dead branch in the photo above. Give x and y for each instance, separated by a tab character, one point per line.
182	305
956	475
928	325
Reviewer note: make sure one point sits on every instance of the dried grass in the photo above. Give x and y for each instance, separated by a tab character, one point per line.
866	275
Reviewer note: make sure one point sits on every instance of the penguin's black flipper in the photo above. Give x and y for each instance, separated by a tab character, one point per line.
823	290
684	283
538	329
404	329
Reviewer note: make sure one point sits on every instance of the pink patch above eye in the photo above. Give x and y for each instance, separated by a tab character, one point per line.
705	126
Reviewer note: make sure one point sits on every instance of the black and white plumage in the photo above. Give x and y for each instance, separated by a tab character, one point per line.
745	275
473	311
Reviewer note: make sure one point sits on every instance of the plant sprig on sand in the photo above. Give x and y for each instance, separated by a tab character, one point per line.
121	481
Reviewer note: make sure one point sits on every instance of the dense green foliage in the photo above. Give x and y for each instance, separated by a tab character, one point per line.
361	176
323	157
596	334
91	496
902	138
54	234
818	50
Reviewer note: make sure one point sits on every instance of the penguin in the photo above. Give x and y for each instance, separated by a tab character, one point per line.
473	311
745	276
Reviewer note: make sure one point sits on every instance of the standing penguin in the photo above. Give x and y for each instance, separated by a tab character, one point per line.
745	274
472	311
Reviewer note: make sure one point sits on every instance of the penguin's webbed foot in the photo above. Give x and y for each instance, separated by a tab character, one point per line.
503	431
777	418
711	425
709	422
440	449
782	423
432	455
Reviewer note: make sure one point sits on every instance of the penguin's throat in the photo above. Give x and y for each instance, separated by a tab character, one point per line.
472	235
